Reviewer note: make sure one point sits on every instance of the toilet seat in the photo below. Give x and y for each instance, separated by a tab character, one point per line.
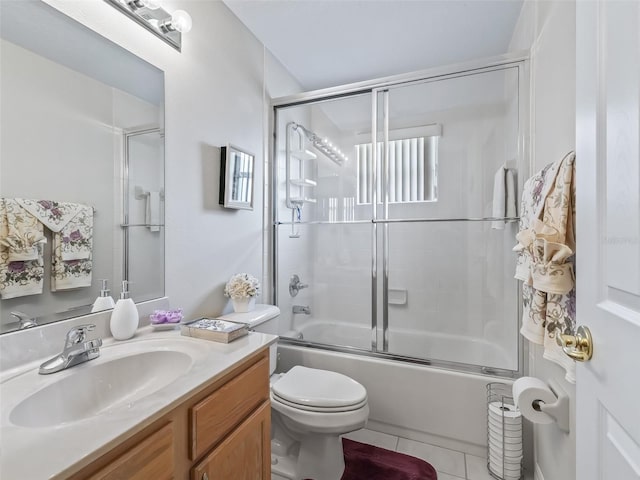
310	408
317	390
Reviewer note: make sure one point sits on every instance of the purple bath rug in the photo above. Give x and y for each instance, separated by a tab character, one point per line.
366	462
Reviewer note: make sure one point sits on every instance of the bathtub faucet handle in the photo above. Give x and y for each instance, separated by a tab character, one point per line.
295	285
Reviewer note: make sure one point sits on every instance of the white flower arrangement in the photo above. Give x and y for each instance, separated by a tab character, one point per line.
242	285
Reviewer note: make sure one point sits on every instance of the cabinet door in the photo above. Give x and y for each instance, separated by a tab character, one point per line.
152	458
217	415
244	455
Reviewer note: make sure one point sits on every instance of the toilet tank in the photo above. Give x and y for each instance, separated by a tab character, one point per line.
264	319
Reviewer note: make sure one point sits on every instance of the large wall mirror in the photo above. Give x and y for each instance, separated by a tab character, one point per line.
82	123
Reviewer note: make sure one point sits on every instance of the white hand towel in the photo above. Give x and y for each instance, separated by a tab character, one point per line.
153	211
510	200
499	198
504	197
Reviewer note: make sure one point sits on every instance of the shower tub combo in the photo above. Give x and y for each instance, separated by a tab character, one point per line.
391	252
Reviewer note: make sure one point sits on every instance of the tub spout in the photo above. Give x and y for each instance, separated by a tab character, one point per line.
302	309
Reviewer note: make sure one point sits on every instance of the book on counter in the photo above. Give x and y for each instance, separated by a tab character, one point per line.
214	329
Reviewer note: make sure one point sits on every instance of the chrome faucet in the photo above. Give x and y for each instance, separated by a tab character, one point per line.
302	309
76	350
25	320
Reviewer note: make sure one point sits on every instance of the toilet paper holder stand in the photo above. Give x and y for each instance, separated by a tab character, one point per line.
559	410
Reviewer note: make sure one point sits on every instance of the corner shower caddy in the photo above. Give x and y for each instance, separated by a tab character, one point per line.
296	156
300	153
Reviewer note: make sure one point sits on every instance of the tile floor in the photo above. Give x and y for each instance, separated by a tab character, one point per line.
450	464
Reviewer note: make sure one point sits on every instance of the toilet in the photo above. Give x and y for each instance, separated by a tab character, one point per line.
310	410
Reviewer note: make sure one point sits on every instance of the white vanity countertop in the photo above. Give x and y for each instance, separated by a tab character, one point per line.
58	451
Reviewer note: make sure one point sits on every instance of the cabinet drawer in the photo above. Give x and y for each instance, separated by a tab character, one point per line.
216	415
151	458
244	455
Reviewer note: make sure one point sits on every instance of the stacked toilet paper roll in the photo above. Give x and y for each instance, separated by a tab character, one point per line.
505	440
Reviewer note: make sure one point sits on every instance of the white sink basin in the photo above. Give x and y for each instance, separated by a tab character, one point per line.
52	426
122	374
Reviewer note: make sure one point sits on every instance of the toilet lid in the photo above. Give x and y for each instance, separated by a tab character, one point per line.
309	408
311	387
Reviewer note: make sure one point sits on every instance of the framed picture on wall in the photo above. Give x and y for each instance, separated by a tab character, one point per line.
236	178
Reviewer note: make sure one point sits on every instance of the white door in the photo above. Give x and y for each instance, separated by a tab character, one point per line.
608	237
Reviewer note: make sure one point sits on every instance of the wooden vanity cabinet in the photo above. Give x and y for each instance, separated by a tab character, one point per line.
151	458
220	433
218	413
242	454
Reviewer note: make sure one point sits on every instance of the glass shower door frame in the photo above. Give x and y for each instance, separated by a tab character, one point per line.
380	220
380	100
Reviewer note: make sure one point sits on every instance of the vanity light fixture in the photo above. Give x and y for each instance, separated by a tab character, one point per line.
180	21
150	4
151	15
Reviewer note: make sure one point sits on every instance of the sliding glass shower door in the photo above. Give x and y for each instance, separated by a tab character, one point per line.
394	217
323	244
449	147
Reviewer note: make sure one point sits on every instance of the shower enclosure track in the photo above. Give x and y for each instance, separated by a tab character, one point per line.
444	364
402	220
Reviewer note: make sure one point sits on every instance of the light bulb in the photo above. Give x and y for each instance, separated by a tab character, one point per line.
151	4
181	21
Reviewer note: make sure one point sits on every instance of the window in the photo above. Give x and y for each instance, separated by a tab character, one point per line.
412	170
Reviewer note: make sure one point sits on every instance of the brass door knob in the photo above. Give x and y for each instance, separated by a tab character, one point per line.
578	346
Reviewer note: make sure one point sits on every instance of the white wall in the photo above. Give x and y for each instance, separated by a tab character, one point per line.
548	28
278	83
214	96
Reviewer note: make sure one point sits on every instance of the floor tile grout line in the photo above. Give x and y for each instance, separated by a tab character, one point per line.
466	467
437	446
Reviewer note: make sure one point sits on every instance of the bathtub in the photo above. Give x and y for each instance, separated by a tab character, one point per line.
442	347
420	402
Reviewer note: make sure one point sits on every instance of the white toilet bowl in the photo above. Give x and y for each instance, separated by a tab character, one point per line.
311	408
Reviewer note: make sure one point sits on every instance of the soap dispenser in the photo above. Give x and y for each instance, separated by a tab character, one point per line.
124	318
104	301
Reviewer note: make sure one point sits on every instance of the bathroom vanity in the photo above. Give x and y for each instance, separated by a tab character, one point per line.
209	419
222	432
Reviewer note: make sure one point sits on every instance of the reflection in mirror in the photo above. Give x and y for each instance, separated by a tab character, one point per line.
236	178
81	124
144	212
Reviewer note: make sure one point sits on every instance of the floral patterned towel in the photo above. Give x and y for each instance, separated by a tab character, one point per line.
546	246
21	251
72	224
